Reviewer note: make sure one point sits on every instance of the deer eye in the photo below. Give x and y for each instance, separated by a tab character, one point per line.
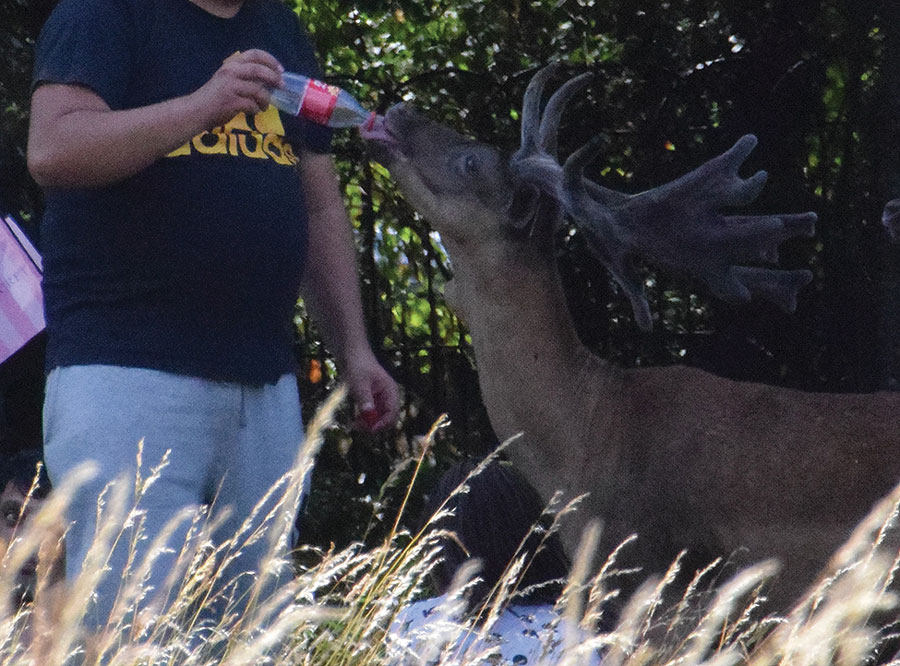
469	165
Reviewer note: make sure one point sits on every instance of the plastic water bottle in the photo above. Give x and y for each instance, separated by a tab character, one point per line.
320	103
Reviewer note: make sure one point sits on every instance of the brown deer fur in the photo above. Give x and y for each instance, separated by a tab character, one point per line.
681	457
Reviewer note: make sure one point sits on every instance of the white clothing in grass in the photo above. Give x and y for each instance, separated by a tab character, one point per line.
429	632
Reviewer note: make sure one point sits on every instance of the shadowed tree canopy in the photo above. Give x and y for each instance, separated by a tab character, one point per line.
674	84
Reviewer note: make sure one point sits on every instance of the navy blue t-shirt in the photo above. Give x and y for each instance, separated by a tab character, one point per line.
193	265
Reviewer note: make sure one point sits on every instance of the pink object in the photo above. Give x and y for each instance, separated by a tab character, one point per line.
369	417
21	301
374	129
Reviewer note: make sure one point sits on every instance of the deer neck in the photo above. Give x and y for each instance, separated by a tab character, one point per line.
536	376
514	306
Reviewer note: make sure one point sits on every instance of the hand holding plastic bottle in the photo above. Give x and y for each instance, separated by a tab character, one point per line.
242	84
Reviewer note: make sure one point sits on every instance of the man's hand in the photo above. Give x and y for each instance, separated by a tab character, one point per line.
243	84
374	393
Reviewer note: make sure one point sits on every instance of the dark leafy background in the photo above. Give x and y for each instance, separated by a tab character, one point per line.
676	82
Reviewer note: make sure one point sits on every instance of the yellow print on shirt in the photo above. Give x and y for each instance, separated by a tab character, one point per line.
264	140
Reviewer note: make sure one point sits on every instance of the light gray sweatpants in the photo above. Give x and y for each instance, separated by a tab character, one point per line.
227	440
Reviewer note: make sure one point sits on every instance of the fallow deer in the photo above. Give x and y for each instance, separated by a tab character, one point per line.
681	457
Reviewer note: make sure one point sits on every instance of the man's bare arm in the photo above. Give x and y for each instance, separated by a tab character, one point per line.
76	140
331	291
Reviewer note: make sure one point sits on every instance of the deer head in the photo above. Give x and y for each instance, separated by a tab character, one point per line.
475	195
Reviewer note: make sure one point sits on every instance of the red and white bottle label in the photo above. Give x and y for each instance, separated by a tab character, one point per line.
319	100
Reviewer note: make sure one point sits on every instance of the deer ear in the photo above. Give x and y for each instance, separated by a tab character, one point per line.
522	208
531	209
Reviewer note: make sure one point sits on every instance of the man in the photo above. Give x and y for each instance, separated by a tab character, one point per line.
182	209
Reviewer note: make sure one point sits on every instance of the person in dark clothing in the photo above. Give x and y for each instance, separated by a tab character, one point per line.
24	485
499	518
184	214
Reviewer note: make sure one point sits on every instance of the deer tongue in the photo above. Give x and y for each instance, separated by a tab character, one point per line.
376	131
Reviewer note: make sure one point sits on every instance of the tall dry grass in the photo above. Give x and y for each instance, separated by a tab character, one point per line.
337	611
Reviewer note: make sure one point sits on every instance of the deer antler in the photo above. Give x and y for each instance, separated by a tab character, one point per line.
677	225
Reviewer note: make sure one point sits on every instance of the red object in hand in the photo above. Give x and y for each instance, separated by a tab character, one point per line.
369	417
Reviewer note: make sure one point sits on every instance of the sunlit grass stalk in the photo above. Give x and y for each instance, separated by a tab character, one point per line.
338	610
384	568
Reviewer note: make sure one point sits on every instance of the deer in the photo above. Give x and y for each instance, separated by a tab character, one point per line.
684	459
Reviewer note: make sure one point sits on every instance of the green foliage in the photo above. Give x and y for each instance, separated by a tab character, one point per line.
19	24
675	83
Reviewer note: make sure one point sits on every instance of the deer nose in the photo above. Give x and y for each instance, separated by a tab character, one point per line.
397	114
403	117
